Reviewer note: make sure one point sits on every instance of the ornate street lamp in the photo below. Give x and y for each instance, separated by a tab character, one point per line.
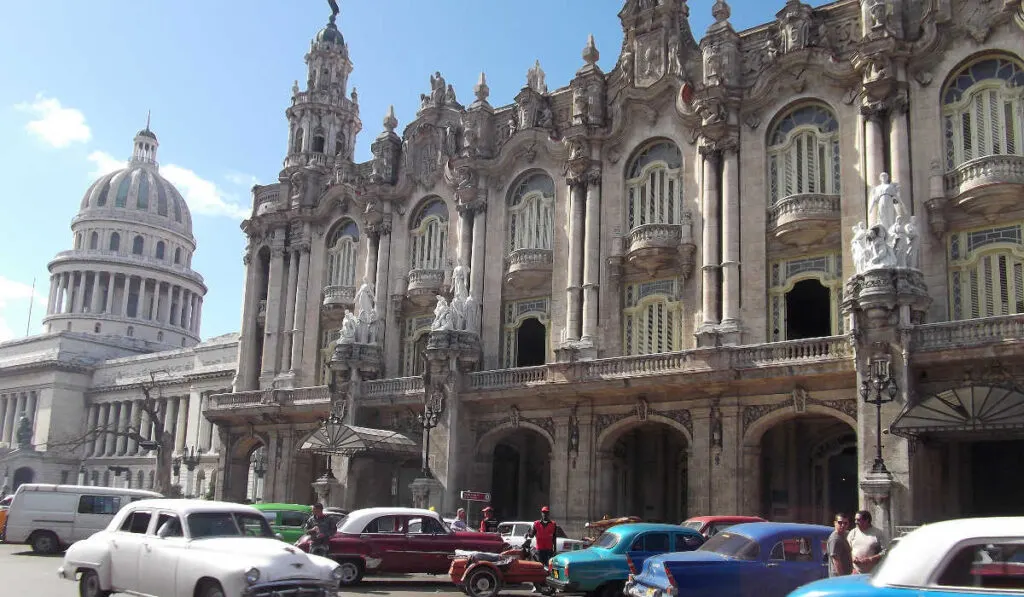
878	389
190	458
259	463
433	408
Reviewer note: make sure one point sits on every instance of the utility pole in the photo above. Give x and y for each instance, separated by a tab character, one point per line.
31	301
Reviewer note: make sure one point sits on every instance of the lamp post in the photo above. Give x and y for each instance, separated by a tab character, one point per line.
429	418
259	468
878	389
190	458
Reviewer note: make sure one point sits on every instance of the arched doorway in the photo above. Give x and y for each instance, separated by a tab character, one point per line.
808	310
517	467
645	473
808	469
22	475
531	343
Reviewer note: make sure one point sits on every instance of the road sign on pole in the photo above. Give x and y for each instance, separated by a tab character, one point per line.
475	496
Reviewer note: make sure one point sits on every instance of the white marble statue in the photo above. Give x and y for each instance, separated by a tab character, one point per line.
348	328
366	309
444	319
858	246
460	283
471	315
885	206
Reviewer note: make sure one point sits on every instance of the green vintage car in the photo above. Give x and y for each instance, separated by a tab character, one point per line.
287	520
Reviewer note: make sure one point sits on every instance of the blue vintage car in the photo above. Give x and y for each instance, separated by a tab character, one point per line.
602	568
970	556
761	559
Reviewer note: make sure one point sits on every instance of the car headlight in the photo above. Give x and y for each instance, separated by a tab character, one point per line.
336	573
252	576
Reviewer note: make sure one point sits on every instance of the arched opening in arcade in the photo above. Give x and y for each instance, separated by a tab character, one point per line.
967	444
22	475
808	469
644	472
515	464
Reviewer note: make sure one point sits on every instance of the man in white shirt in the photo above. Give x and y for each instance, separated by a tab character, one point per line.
867	543
460	520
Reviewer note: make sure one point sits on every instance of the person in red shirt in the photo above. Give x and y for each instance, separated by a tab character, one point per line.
489	524
543	534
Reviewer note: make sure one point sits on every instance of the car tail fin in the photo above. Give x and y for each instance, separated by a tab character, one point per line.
673	587
632	567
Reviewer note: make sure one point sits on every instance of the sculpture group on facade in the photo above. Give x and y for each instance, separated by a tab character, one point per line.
890	239
462	314
361	327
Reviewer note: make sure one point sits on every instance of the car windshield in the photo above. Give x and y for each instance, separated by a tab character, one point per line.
607	540
693	524
227	524
733	546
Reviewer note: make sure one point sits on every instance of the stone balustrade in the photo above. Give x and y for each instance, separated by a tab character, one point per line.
968	333
339	296
267	194
803	219
655	236
94	256
526	268
423	285
399	386
311	158
986	170
318	395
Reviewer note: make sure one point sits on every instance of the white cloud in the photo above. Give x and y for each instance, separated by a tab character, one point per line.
203	196
241	179
14	303
55	124
105	163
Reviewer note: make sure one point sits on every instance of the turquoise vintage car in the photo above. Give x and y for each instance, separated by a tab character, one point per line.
602	569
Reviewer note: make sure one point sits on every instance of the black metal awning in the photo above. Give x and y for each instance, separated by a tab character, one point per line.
348	440
971	409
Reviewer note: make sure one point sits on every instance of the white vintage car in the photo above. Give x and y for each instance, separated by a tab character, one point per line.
194	548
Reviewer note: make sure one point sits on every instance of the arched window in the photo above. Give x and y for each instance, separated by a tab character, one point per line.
130	332
159	336
137	245
102	199
143	199
804	297
139	479
987	272
177	210
983	111
160	249
341	255
653	185
94	240
531	213
152	479
339	145
299	138
177	256
96	328
429	236
803	153
652	319
122	191
115	242
318	140
161	200
525	334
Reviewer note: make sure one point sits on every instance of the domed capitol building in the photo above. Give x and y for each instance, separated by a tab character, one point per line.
775	272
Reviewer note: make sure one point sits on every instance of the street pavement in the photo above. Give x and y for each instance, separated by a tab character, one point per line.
24	573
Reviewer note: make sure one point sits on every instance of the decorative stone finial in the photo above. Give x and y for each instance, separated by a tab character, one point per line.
481	89
390	121
355	96
535	78
590	53
721	11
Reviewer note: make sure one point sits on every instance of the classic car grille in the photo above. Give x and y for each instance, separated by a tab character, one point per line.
287	590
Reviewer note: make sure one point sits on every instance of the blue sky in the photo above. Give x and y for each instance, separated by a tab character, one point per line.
79	78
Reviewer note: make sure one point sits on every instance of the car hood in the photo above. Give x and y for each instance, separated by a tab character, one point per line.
854	585
275	559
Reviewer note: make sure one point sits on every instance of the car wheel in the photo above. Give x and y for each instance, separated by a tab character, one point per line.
351	572
89	585
45	543
211	589
482	582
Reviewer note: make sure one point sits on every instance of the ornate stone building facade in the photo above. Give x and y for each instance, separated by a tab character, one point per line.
123	317
660	311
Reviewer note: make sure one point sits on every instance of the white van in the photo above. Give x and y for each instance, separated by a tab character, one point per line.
49	517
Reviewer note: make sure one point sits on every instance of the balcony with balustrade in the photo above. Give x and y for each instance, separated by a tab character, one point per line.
309	158
965	340
804	219
265	198
339	297
424	285
528	268
986	185
650	247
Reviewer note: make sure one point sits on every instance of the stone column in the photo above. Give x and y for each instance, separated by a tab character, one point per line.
170	416
246	377
712	259
215	441
205	427
289	311
3	417
145	426
93	421
197	321
195	417
372	255
380	285
751	482
575	278
10	421
182	425
54	289
272	341
124	418
108	304
136	425
301	298
100	430
477	268
68	294
731	236
592	258
113	424
899	152
124	295
874	157
186	308
96	304
605	500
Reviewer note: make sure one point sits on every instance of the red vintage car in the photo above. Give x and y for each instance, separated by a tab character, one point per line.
399	541
709	526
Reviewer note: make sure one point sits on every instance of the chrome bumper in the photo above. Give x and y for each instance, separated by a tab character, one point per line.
308	588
